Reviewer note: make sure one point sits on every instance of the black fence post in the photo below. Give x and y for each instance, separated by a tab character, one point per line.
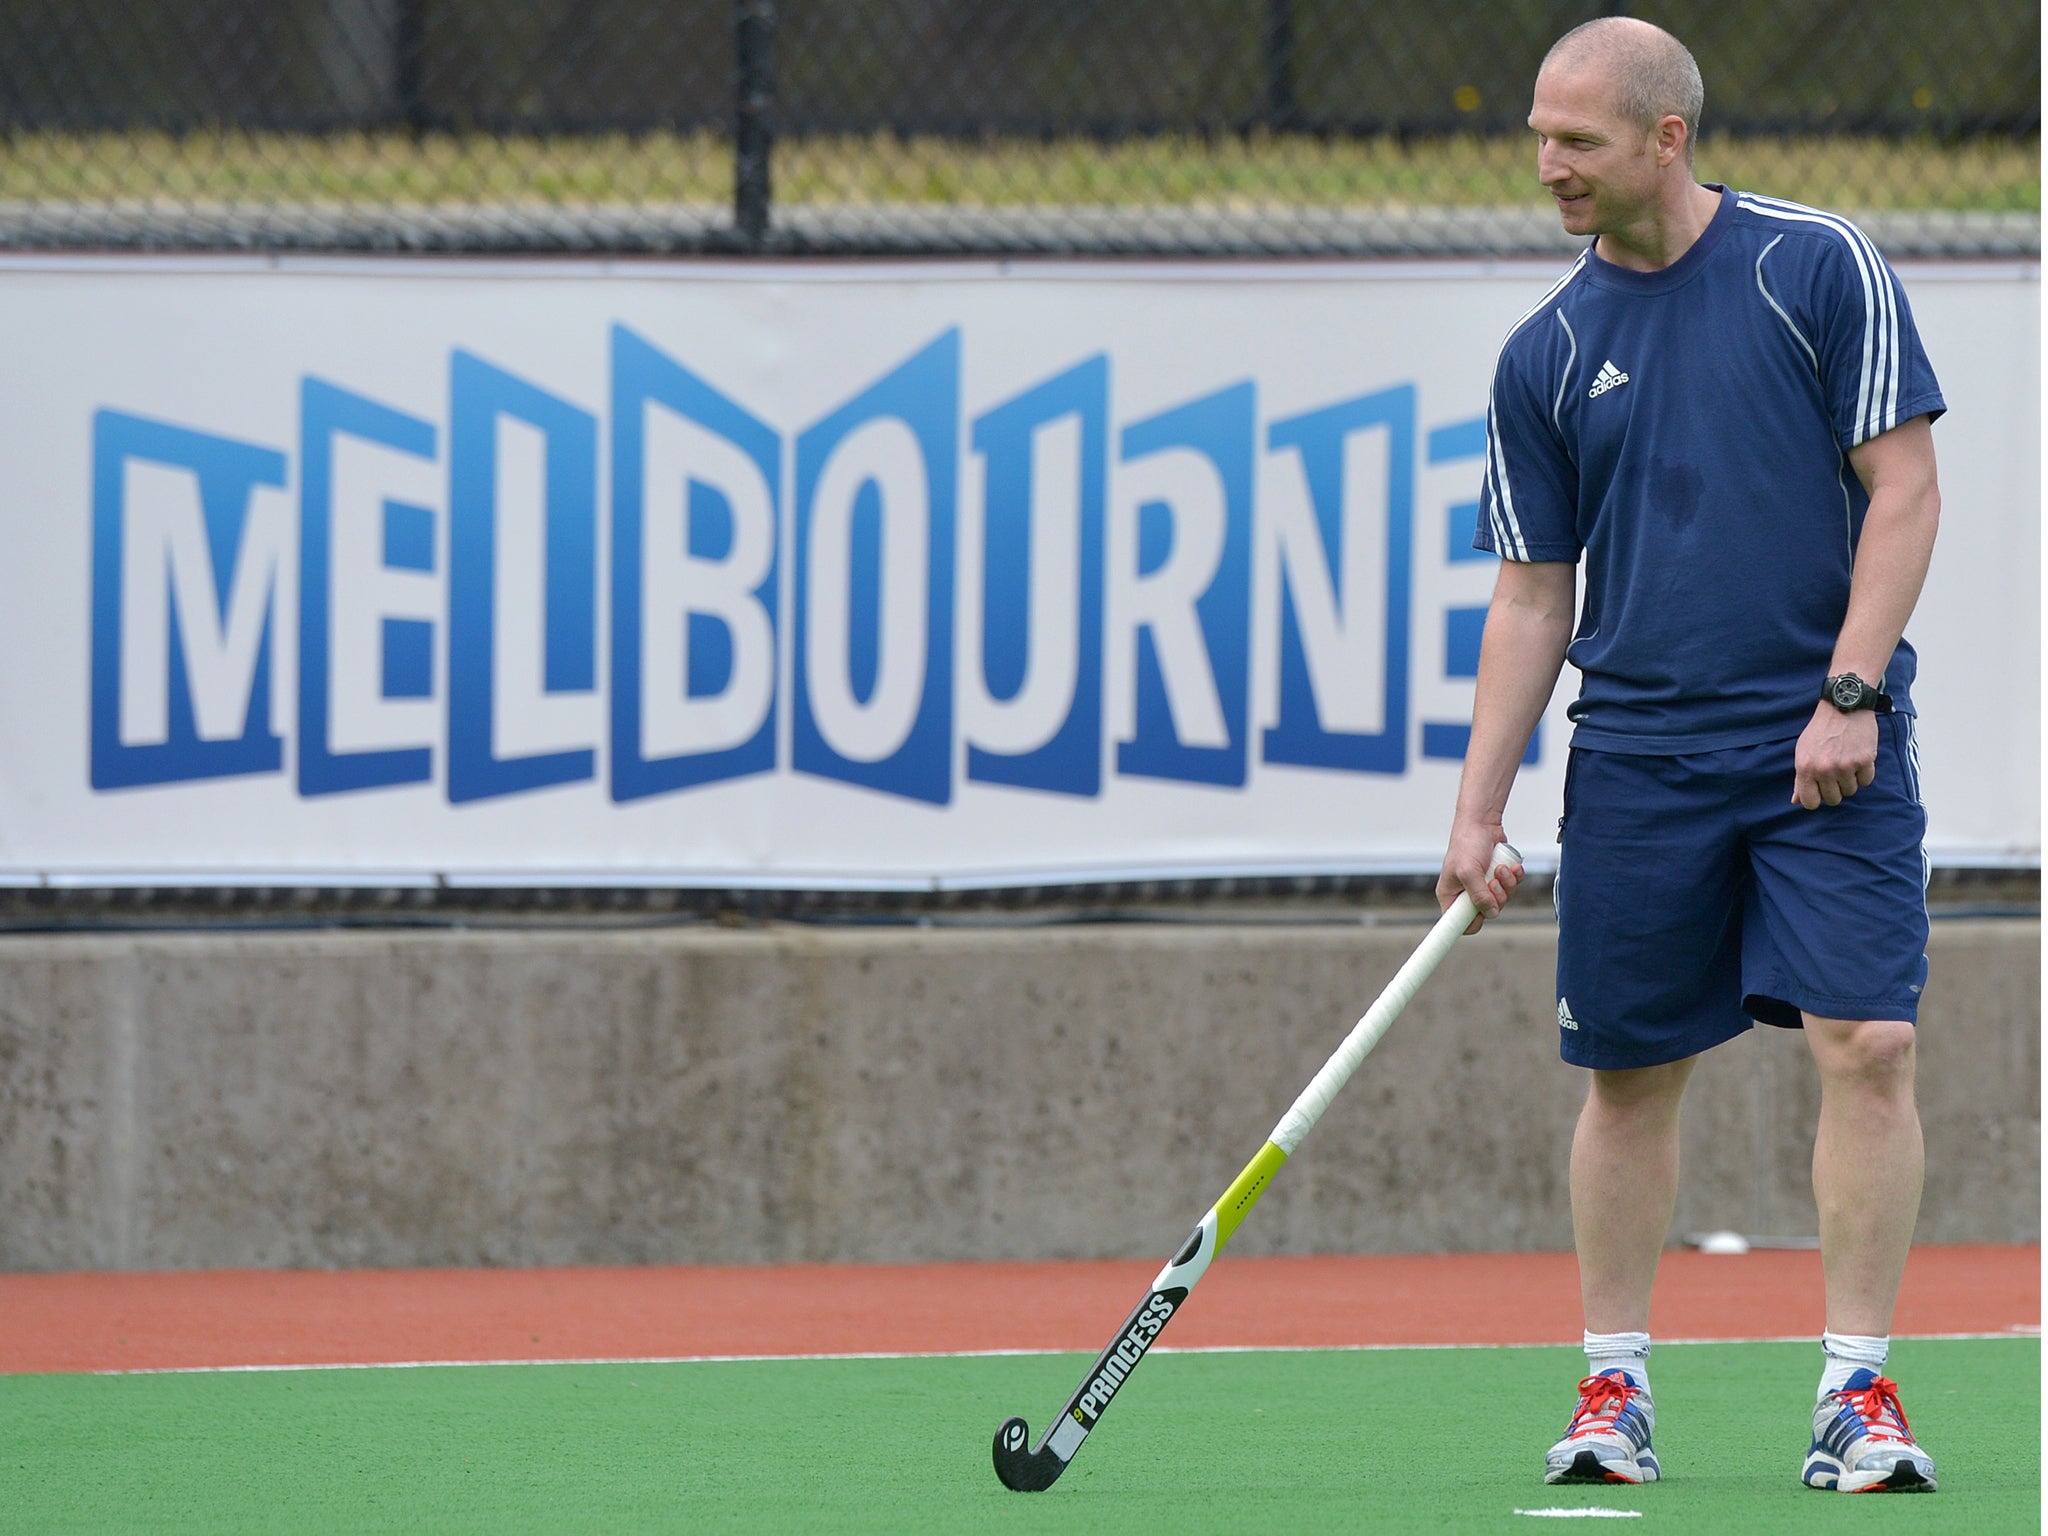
1282	113
753	138
409	45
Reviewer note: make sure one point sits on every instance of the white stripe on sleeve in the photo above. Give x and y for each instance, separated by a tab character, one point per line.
1507	528
1877	391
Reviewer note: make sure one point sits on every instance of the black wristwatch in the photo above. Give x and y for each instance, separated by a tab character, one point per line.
1847	691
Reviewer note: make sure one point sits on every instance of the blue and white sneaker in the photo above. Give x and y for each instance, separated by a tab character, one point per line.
1608	1439
1861	1443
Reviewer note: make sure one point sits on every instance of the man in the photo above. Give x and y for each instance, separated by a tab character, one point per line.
1724	409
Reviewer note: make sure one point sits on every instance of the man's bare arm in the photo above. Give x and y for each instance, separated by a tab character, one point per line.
1528	625
1837	753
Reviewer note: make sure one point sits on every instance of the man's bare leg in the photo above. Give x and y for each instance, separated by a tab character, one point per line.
1867	1161
1624	1185
1867	1166
1624	1189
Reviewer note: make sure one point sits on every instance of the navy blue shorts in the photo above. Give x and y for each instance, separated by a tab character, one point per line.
1693	896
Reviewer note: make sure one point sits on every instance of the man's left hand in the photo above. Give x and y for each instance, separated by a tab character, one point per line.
1837	756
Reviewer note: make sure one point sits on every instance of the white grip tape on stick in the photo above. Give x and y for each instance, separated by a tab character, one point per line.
1365	1034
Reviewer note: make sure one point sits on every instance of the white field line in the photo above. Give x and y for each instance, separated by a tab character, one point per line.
2021	1331
1583	1512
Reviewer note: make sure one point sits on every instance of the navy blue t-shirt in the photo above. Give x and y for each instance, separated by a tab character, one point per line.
1686	431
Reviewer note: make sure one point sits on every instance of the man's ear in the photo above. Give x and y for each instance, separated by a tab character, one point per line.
1671	137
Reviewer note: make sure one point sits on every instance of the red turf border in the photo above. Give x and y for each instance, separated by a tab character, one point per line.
98	1322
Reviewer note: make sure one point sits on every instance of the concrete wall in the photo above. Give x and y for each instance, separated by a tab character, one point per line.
701	1095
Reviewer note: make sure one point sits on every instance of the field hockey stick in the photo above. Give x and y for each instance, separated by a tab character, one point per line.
1027	1468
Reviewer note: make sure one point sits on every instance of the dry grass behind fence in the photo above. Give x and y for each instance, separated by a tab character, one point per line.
1261	171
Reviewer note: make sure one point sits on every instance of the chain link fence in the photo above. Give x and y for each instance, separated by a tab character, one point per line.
1268	127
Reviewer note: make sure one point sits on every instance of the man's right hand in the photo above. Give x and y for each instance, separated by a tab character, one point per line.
1468	867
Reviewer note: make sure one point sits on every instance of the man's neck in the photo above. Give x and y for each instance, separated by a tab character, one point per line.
1664	233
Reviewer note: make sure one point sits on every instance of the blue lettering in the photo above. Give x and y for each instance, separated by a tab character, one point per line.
695	512
893	450
184	603
1080	617
1041	587
558	598
1185	595
347	591
1325	642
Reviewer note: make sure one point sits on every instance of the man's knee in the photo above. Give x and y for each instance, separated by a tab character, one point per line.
1872	1053
1641	1090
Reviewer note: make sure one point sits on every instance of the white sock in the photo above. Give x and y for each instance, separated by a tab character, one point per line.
1619	1351
1848	1353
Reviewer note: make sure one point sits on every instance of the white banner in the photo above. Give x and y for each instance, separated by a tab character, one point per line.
736	574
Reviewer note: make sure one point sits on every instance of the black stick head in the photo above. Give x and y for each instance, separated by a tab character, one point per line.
1022	1469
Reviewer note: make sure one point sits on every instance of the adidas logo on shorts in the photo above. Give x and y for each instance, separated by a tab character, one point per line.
1564	1015
1609	377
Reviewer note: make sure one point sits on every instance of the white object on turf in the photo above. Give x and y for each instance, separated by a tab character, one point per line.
1724	1242
1589	1512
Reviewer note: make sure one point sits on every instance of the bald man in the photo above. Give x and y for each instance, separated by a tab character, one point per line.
1722	412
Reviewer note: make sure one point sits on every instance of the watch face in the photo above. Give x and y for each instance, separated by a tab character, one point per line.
1848	692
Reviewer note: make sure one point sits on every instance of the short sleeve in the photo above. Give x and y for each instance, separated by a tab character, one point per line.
1528	505
1873	370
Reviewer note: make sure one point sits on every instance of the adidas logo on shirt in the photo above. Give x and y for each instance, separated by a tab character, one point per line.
1609	377
1564	1009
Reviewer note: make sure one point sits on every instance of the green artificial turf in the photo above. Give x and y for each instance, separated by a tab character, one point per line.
1393	1440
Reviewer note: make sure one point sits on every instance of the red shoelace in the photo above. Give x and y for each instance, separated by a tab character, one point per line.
1601	1399
1878	1404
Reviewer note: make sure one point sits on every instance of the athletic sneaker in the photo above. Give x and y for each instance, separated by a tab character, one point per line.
1608	1439
1861	1443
